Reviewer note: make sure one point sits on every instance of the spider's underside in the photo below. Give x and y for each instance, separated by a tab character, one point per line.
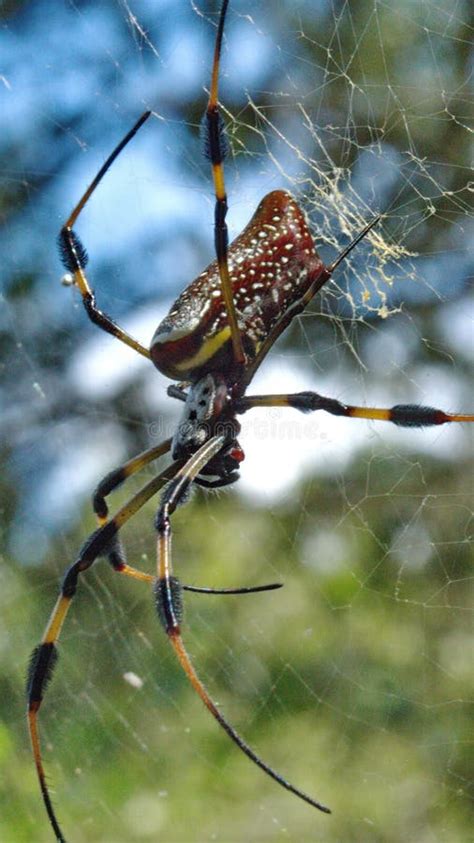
214	338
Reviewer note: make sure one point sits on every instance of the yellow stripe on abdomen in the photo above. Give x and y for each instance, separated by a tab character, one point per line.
170	357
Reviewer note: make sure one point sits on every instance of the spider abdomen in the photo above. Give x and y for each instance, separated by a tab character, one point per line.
271	265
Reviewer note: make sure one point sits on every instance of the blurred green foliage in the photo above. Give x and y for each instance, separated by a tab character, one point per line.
354	679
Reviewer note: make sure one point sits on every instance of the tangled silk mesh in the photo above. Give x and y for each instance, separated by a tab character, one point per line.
353	680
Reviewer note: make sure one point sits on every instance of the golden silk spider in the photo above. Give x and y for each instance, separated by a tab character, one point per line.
212	342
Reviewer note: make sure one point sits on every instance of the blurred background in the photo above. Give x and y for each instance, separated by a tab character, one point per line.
353	680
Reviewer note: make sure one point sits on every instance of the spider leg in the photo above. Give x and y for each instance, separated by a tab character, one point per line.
199	589
116	556
218	483
108	484
169	603
175	391
102	542
215	148
44	656
74	255
116	477
244	590
403	415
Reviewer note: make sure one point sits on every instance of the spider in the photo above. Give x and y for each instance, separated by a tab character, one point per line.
212	342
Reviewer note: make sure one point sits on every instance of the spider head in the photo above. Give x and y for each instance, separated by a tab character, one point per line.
207	412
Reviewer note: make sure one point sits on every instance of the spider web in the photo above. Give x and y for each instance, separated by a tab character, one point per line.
352	680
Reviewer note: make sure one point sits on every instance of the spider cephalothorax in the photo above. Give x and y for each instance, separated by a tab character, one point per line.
214	338
208	411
